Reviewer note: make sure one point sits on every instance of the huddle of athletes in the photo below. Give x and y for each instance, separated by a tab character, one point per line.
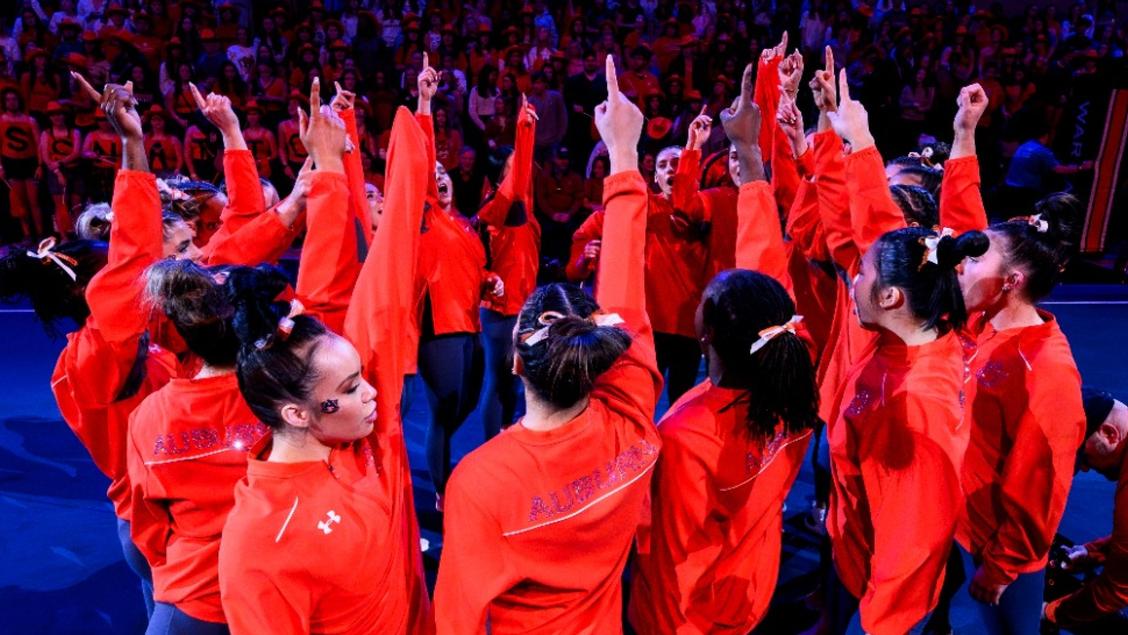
223	402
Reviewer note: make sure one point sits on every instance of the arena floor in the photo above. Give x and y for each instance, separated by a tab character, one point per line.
61	569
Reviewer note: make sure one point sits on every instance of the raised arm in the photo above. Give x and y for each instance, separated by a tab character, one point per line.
686	192
961	201
785	149
344	104
380	315
428	82
330	259
634	380
518	182
872	209
115	293
759	241
766	95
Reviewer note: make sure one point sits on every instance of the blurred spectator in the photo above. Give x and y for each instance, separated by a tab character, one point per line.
552	116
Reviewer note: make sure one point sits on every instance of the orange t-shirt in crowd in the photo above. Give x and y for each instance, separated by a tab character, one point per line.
18	137
162	152
539	524
1027	421
290	144
333	546
106	148
199	150
188	447
59	146
514	233
100	356
260	142
896	448
676	266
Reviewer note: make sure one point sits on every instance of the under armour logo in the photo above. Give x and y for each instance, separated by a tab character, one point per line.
327	524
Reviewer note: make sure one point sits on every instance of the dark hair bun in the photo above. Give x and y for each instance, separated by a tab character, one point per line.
952	250
254	294
578	352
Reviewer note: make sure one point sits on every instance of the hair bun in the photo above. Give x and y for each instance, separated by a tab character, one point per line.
951	250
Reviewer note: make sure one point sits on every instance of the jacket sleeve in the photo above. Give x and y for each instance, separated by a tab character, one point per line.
759	238
244	190
591	229
150	524
766	96
517	185
908	558
474	568
262	239
872	210
1037	474
257	600
1108	592
834	212
354	171
686	192
785	170
379	319
428	126
633	380
330	259
803	224
961	201
679	550
115	293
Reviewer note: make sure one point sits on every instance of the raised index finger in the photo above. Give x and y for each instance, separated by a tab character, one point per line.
97	96
612	81
196	95
315	97
843	86
746	88
829	60
426	61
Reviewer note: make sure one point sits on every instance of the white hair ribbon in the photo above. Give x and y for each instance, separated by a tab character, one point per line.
46	252
932	246
1042	226
768	334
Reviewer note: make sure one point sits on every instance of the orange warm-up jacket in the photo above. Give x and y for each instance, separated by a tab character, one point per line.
709	558
101	355
1026	415
539	524
188	447
333	546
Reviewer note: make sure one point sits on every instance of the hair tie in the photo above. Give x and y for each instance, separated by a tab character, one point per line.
285	326
548	318
932	247
46	253
1041	226
768	334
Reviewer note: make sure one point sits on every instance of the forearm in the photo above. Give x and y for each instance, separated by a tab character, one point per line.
133	155
963	144
751	163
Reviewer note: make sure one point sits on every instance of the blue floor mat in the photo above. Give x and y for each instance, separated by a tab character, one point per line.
62	566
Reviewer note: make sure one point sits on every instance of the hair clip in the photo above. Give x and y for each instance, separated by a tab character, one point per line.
768	334
329	406
286	324
546	320
46	252
932	247
1034	221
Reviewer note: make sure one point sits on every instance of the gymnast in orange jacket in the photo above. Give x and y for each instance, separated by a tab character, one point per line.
541	518
323	537
732	446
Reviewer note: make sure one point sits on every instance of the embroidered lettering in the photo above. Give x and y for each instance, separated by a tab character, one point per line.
619	469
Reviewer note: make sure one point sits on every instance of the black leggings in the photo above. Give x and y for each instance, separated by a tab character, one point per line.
451	369
679	358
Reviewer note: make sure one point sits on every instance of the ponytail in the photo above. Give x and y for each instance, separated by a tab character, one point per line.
562	349
198	306
923	265
737	305
1043	243
274	364
53	293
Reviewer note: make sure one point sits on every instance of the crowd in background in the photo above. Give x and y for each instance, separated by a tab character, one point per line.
909	59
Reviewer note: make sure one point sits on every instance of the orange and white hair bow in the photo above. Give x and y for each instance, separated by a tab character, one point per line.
768	334
46	251
547	319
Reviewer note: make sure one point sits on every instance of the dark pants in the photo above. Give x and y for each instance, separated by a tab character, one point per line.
169	620
679	358
501	393
136	561
451	368
1020	608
